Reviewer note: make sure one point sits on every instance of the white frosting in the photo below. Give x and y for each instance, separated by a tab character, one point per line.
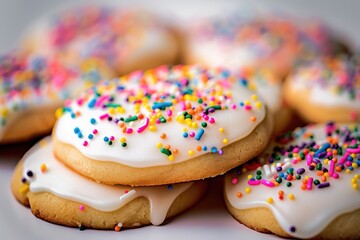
66	184
141	149
311	210
325	94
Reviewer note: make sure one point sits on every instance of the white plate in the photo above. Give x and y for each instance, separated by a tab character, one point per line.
207	220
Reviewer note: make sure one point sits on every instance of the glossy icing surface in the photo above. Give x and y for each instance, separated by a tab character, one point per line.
29	82
330	81
64	183
161	116
306	178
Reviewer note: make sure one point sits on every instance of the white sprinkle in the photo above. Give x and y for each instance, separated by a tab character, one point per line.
127	195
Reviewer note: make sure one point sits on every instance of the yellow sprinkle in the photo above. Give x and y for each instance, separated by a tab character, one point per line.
43	143
356	176
247	102
194	125
306	177
159	145
184	129
354	165
249	176
254	97
353	180
24	189
353	155
270	200
112	110
291	196
43	167
326	161
58	112
191	152
247	190
355	186
348	171
225	141
258	104
152	128
171	158
221	130
122	139
326	174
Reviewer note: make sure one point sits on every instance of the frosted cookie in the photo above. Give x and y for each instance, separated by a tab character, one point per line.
269	88
58	195
126	40
325	89
260	41
166	125
33	87
305	185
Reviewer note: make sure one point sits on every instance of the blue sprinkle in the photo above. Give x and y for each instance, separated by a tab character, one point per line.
199	134
161	105
241	104
281	174
93	121
170	187
73	115
80	135
91	104
106	139
91	136
214	150
76	130
204	148
185	134
322	149
351	168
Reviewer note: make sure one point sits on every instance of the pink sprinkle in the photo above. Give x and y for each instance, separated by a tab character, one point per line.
82	207
212	98
331	168
267	183
102	117
169	113
296	150
95	131
329	154
247	107
348	163
205	117
182	105
212	120
143	127
309	159
353	150
192	134
112	138
309	183
158	121
80	101
129	130
254	182
234	181
85	143
343	158
294	161
100	100
67	102
233	106
335	175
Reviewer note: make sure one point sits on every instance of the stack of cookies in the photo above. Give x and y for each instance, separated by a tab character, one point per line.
127	151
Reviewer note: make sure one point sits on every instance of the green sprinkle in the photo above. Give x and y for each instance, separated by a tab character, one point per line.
165	151
130	119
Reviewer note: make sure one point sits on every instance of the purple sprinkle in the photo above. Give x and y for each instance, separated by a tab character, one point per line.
292	229
30	173
300	171
220	152
311	167
279	169
324	185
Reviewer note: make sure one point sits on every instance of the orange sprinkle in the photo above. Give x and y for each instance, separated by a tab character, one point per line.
239	194
43	168
323	178
121	124
320	173
303	186
167	146
163	135
338	168
281	192
140	116
175	151
117	228
198	148
253	118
